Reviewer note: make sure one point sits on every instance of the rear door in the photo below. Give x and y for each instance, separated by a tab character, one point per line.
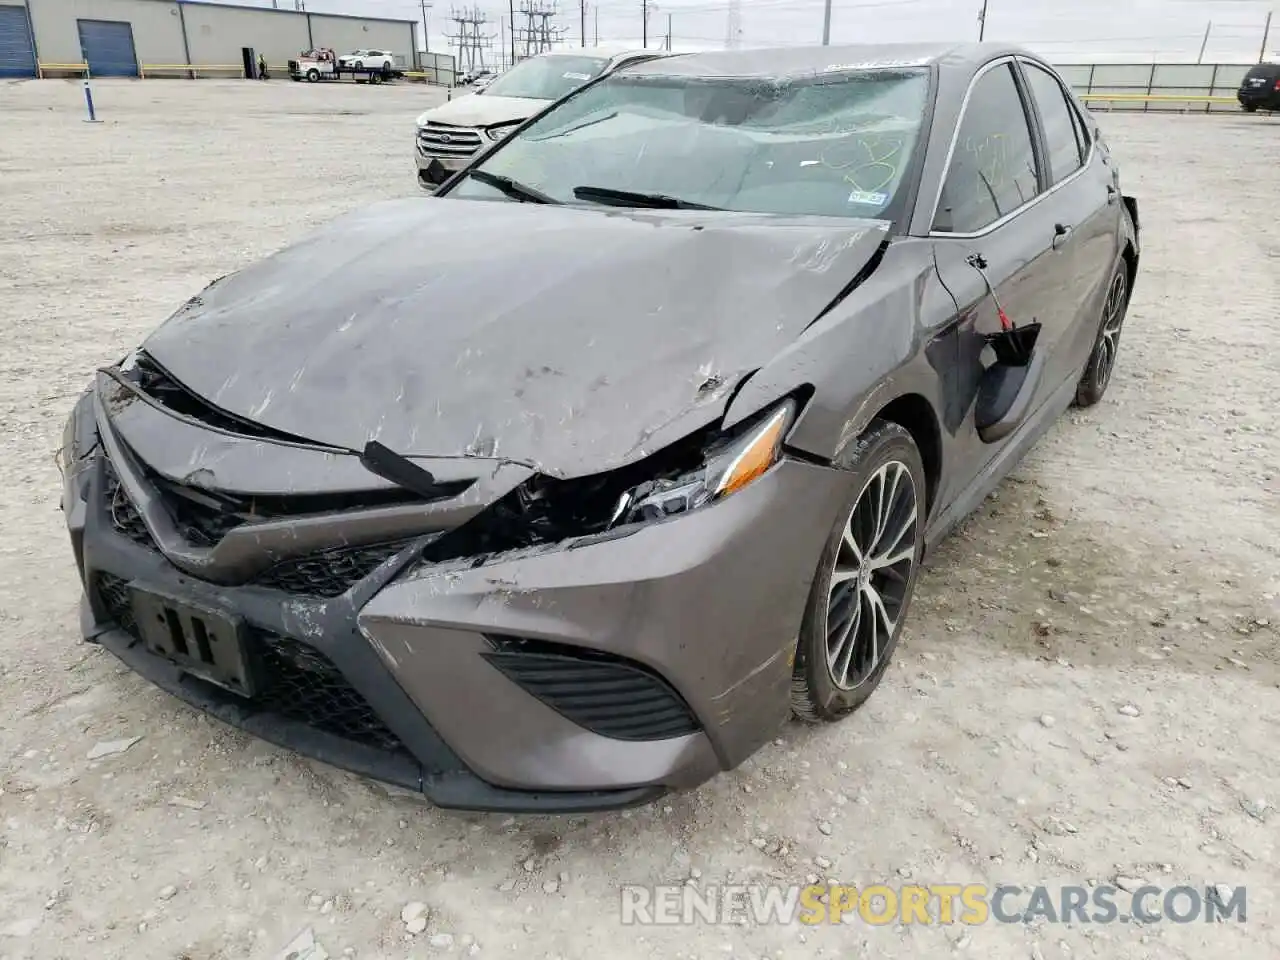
1082	204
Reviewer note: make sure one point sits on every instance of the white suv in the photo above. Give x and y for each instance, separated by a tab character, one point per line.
451	134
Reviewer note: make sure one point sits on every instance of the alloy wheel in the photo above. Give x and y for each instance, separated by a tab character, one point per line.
1109	338
872	572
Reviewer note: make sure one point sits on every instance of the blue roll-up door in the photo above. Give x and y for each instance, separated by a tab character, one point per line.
107	46
17	55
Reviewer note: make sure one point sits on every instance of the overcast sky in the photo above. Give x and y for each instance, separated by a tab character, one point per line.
1062	30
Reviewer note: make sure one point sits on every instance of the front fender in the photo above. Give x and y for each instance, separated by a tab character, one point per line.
886	340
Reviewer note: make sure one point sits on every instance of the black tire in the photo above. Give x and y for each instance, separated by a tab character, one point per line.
1106	345
313	75
1249	108
816	694
359	64
375	78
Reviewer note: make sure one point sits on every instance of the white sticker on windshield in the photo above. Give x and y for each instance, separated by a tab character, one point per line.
869	198
577	76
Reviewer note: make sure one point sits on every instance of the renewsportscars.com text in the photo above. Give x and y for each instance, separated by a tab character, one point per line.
941	903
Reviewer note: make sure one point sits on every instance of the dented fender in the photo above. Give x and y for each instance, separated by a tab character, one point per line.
898	322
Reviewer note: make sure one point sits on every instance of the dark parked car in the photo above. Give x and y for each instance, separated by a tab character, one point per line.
1260	88
566	486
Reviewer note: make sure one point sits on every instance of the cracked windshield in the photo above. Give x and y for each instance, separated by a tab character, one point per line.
546	78
836	145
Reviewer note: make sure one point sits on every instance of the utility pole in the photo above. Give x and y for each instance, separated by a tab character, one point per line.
644	23
733	30
512	5
1205	42
538	33
668	33
426	32
1266	35
982	22
826	25
472	44
596	10
582	17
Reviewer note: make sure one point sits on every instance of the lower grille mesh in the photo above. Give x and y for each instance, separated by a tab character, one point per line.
328	574
298	682
607	695
305	685
114	594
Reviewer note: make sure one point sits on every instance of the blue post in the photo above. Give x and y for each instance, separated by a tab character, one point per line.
88	102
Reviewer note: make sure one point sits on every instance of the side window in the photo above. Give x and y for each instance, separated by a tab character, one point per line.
993	167
1082	132
1061	130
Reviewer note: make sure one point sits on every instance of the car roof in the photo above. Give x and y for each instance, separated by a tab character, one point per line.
784	62
603	52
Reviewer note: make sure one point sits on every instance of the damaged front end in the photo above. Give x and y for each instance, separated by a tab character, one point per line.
544	512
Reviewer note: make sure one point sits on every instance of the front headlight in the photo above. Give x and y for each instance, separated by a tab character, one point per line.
497	133
730	465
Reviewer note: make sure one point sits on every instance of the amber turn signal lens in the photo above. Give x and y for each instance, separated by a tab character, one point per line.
759	454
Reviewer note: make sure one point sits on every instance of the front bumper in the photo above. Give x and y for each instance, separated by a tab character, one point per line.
433	171
396	680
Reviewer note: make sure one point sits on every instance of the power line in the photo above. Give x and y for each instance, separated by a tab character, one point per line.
472	44
538	34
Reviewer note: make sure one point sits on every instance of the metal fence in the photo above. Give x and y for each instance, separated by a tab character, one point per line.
441	68
1200	87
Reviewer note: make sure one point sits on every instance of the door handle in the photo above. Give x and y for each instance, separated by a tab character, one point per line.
1061	233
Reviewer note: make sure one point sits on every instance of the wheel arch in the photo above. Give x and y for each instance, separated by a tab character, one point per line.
1129	251
914	413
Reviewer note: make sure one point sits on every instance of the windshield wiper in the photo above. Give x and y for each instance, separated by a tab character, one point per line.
575	128
627	198
511	188
384	462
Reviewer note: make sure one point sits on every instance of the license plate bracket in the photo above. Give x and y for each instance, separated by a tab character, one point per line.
200	639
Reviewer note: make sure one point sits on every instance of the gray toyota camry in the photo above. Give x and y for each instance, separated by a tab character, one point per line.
568	485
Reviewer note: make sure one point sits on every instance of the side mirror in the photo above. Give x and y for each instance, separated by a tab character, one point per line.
1008	385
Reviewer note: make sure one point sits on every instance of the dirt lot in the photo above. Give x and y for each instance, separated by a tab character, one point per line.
1133	561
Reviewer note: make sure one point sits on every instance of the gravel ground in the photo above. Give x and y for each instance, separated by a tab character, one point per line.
1088	687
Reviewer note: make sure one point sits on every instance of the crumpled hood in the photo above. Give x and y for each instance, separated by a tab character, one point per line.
483	110
571	339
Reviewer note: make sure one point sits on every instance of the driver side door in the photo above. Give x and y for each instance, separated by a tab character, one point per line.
997	250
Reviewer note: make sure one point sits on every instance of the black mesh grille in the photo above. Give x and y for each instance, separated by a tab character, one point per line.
305	685
114	594
607	695
296	680
125	517
330	573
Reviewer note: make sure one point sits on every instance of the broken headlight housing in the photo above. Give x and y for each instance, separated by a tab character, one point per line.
79	438
703	468
731	464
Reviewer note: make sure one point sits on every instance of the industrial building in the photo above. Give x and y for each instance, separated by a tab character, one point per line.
130	38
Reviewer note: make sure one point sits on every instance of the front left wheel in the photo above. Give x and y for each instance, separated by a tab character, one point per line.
865	578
